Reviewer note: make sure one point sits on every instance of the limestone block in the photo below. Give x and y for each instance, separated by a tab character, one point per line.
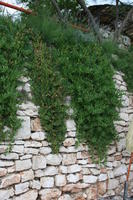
11	169
53	159
70	124
25	157
39	136
71	149
122	178
73	178
125	99
3	172
82	162
35	185
71	134
120	128
21	188
110	193
6	194
63	169
89	179
95	171
65	197
60	180
24	132
82	155
36	125
18	149
123	88
74	168
6	163
29	109
109	164
111	150
9	156
120	123
121	170
102	187
33	151
45	150
45	143
39	173
27	87
116	163
102	177
24	79
69	159
69	142
79	195
10	180
71	187
38	162
3	148
112	184
27	175
47	182
110	174
23	165
50	171
48	194
91	193
118	77
32	195
86	171
121	145
32	144
124	116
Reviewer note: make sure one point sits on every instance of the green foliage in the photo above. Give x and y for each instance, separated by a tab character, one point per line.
49	94
88	80
54	33
86	75
61	62
10	71
123	63
69	9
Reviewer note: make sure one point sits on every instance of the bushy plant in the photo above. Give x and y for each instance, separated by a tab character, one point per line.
49	94
10	71
61	62
88	79
85	74
123	61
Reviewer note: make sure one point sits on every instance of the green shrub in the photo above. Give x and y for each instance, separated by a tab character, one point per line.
10	71
67	63
88	79
123	63
60	62
49	94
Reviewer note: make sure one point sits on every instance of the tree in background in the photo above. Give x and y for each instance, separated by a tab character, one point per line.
67	11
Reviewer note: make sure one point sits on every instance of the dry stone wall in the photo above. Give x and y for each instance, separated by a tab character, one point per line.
32	172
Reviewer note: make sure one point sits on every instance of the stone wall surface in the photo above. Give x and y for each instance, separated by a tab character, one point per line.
31	172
